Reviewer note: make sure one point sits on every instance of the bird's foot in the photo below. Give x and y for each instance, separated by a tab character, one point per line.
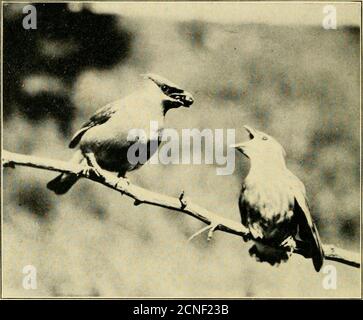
91	172
289	244
246	238
121	181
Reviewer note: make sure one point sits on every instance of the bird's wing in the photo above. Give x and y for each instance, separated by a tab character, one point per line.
307	228
100	117
242	207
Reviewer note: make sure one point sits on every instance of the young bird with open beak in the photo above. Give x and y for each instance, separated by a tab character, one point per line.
273	204
103	141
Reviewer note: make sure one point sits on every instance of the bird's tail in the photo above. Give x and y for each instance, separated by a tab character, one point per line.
312	244
62	183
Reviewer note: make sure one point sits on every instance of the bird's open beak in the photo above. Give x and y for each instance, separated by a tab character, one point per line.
240	146
185	98
252	132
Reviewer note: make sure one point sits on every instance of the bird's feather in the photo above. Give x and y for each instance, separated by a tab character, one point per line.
101	116
308	231
307	228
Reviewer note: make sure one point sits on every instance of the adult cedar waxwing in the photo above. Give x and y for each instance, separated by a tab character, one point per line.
103	141
273	203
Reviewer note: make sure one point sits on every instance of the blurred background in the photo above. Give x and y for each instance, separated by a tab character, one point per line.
270	66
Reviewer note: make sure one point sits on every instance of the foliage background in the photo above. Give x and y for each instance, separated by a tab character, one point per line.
298	83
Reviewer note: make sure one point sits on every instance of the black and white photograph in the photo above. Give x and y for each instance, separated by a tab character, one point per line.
181	150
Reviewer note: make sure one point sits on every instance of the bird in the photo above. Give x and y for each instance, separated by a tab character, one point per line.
273	204
104	140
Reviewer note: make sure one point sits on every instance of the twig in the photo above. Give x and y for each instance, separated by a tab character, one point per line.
144	196
333	253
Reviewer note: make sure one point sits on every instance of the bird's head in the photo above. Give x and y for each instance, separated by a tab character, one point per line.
173	95
262	148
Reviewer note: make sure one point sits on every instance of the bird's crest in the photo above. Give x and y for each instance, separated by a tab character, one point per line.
175	95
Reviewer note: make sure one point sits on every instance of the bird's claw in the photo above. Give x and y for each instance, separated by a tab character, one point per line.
289	244
122	180
92	172
93	169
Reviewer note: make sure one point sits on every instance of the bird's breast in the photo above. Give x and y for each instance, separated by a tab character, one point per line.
110	141
266	207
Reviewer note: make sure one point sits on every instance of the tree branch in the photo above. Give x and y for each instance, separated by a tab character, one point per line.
181	204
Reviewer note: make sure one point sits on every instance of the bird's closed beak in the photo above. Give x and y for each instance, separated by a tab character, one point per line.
185	98
188	99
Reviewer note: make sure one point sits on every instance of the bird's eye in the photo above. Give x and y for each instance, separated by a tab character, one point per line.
164	87
264	138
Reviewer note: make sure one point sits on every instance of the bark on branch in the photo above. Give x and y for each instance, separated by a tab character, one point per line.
181	204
